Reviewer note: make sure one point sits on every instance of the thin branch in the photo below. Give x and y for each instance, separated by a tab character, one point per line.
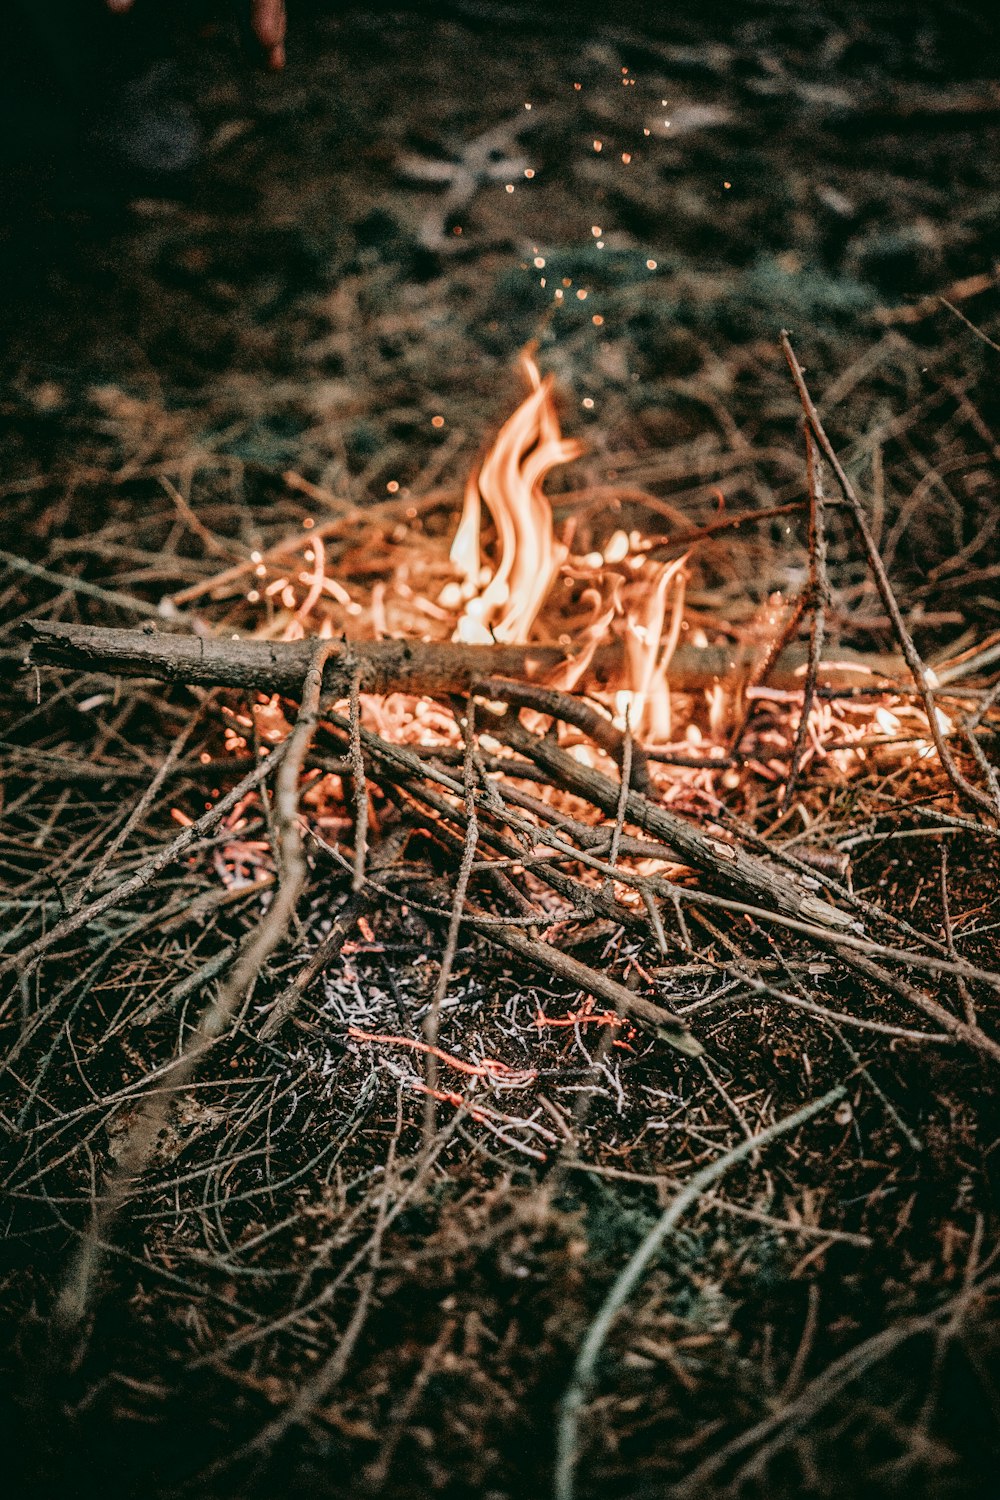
218	1013
819	598
628	1279
964	788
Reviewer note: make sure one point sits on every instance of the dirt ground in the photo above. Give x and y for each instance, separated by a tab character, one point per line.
339	287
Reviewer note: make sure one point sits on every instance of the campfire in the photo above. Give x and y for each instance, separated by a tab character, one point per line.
521	721
531	685
500	764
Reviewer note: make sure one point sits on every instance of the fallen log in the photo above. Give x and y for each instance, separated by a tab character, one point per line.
430	668
279	666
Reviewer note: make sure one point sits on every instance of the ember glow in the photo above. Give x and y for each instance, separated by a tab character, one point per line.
518	565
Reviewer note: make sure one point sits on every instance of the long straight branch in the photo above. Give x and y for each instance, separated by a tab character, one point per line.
433	668
217	1015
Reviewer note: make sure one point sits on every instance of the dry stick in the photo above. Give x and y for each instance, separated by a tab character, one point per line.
594	722
218	1013
819	596
421	667
626	787
668	1027
969	324
412	774
323	1381
988	703
968	1004
628	1279
682	540
330	947
140	809
80	586
149	868
656	1018
433	1017
360	786
722	859
856	952
964	788
775	1430
973	1036
764	671
988	770
279	666
803	994
761	987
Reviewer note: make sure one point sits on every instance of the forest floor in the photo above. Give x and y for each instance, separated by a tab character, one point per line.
316	1284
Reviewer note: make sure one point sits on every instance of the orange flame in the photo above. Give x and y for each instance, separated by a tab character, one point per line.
647	700
506	605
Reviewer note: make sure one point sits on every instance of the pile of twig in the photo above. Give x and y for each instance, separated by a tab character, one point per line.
500	832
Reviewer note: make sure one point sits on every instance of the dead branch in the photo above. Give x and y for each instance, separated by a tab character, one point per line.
421	667
218	1012
963	787
280	666
668	1027
721	858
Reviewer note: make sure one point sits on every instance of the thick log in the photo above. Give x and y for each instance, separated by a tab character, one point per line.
421	667
280	666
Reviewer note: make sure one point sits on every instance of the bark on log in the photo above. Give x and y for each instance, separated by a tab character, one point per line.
421	667
280	666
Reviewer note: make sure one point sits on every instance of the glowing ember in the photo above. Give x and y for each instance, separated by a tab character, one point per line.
513	576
